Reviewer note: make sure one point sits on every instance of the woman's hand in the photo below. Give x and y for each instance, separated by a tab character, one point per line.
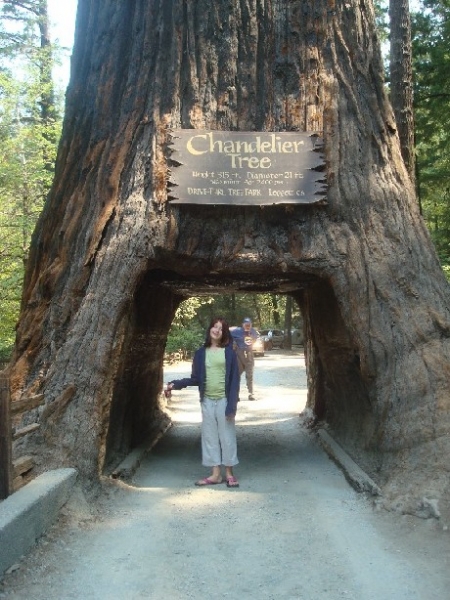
230	417
168	390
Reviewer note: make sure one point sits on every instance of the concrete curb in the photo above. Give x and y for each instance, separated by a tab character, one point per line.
29	512
353	473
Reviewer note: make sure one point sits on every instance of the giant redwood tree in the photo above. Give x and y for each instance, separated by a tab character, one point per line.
112	257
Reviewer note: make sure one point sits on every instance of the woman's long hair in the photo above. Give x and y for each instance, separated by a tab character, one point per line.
225	332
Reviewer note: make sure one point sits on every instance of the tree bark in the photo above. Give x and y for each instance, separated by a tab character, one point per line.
402	80
111	258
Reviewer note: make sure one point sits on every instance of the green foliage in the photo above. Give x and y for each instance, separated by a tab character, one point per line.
193	316
265	310
187	340
382	20
431	63
30	127
186	333
188	310
446	269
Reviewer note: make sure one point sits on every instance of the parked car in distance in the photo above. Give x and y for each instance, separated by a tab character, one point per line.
273	338
297	337
258	346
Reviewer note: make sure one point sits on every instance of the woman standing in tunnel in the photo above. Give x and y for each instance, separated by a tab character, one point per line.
216	373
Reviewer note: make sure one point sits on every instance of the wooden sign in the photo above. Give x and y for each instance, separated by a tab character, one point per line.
246	168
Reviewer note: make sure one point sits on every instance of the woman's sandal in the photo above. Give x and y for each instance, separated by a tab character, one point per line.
207	481
232	482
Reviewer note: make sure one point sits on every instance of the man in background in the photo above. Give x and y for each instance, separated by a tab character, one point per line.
243	338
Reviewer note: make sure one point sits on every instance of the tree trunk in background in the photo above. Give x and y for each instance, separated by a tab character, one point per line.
402	80
288	324
275	311
233	313
45	66
112	259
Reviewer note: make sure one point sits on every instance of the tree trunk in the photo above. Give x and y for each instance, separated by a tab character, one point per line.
402	79
47	102
112	258
275	311
288	324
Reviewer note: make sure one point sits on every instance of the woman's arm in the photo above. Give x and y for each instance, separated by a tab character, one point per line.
179	384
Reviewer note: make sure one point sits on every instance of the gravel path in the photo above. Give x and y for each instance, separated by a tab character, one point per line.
294	529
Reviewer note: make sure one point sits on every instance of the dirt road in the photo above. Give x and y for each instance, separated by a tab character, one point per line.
293	530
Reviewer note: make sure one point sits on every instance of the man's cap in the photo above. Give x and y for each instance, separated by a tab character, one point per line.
247	320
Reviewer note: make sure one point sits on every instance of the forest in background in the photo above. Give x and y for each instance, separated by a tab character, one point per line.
31	116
